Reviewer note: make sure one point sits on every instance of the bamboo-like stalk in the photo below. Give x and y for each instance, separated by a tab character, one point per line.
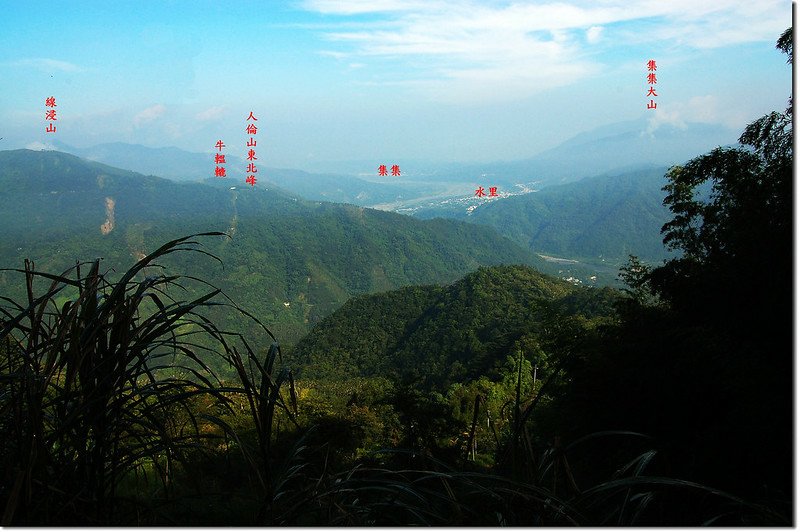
93	389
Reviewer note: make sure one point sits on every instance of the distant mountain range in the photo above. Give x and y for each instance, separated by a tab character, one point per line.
597	197
614	147
180	165
596	221
617	147
601	218
290	261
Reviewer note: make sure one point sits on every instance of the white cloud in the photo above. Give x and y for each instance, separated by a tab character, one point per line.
704	109
495	44
354	7
707	24
149	114
39	146
593	34
660	117
334	54
212	113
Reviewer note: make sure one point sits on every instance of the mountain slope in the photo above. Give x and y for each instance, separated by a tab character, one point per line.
180	165
436	336
609	217
616	147
289	261
603	218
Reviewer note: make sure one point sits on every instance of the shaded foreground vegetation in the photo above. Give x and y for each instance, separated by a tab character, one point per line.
669	406
111	416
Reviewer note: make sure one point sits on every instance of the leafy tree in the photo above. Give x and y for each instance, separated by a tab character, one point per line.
744	226
707	371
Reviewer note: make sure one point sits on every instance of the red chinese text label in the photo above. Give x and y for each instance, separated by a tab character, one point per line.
219	160
395	170
251	130
50	114
480	192
651	80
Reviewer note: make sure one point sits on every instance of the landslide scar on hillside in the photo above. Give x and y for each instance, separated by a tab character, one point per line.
108	226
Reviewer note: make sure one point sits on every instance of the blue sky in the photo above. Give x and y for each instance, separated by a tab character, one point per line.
383	80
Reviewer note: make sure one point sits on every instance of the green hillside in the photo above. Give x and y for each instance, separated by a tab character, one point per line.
438	336
597	219
288	261
609	217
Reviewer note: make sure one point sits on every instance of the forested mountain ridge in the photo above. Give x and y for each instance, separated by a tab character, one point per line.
289	261
610	216
181	165
436	336
606	217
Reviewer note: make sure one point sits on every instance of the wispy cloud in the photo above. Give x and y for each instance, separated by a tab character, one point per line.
531	46
334	54
705	24
46	65
149	114
212	113
36	145
707	108
661	117
593	34
355	7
